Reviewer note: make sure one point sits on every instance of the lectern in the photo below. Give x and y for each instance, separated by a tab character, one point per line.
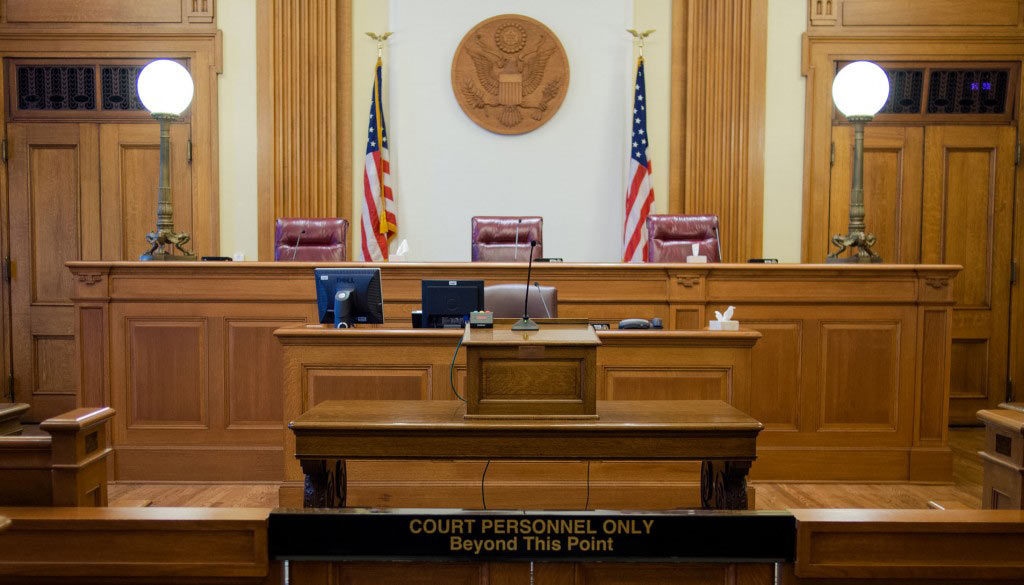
547	373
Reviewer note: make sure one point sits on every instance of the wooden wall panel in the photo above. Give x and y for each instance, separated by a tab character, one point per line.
718	108
253	370
168	376
371	383
860	376
936	13
667	384
304	112
777	361
90	11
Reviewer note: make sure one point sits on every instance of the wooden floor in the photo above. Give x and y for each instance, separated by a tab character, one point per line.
964	493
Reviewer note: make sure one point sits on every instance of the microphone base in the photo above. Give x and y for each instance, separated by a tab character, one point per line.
525	325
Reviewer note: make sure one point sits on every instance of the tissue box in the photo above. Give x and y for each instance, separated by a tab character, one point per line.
724	325
696	259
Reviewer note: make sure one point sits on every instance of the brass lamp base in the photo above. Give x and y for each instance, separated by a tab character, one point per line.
163	243
168	257
859	240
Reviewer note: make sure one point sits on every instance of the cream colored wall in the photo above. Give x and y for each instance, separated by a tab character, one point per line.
236	95
783	132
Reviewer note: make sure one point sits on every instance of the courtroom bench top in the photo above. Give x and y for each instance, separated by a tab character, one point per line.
431	415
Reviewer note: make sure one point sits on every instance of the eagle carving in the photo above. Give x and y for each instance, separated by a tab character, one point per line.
510	74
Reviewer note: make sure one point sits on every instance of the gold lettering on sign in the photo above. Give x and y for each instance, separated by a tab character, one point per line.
510	74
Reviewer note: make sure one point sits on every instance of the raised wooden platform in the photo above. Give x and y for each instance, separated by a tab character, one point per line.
186	351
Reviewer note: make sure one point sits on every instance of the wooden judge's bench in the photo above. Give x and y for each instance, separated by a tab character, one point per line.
849	375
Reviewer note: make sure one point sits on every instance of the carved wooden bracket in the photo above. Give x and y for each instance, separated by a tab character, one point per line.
200	11
823	12
688	281
937	283
89	278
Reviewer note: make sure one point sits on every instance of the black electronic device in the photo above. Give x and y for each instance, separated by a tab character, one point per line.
349	296
635	324
548	260
763	261
216	258
446	304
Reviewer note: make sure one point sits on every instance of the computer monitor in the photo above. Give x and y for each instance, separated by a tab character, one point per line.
447	303
347	296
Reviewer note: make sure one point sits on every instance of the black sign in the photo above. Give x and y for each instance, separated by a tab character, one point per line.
443	534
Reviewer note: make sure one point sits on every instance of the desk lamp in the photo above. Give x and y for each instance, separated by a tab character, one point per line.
859	91
165	88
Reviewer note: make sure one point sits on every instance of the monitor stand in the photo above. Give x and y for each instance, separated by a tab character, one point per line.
343	308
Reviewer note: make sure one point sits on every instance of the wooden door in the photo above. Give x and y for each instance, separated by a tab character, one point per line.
54	214
892	188
130	171
967	219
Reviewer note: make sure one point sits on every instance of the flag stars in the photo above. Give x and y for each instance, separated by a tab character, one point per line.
635	145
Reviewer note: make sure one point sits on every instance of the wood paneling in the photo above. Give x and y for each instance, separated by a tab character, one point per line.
254	398
718	80
54	211
167	380
967	219
304	117
788	304
936	13
892	189
860	376
373	383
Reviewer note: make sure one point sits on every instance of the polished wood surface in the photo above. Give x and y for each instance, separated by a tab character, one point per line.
895	17
10	418
135	545
63	463
1003	458
717	117
710	431
817	323
304	113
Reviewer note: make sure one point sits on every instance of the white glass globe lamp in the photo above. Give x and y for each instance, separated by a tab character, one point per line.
859	89
165	87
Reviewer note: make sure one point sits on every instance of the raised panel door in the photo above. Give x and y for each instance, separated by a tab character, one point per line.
54	213
130	173
967	219
892	189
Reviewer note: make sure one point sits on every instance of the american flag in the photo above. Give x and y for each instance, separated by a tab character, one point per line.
640	193
379	221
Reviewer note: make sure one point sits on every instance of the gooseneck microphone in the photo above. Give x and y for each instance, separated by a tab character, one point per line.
298	240
527	324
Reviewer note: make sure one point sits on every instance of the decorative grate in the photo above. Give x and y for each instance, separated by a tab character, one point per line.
48	87
968	91
905	89
119	87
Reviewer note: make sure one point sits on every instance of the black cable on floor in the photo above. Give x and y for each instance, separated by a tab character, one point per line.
451	372
483	496
587	504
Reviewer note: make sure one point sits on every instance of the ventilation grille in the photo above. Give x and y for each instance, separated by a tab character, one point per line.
906	86
56	88
968	91
119	87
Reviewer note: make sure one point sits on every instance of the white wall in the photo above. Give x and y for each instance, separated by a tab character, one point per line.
784	131
571	170
236	97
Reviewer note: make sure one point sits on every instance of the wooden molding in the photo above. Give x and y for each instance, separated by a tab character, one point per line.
303	112
718	119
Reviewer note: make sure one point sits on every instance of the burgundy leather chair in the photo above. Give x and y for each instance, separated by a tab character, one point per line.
311	240
494	238
670	237
506	301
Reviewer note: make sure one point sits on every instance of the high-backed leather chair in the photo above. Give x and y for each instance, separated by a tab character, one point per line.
670	237
311	239
494	238
506	300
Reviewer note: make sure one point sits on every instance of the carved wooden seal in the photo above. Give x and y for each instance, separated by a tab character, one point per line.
510	74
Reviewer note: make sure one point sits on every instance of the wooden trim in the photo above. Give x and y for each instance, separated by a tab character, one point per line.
717	122
304	121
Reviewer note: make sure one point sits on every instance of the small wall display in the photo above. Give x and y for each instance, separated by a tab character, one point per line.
510	74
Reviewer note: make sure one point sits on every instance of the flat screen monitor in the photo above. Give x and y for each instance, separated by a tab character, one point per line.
349	296
447	303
